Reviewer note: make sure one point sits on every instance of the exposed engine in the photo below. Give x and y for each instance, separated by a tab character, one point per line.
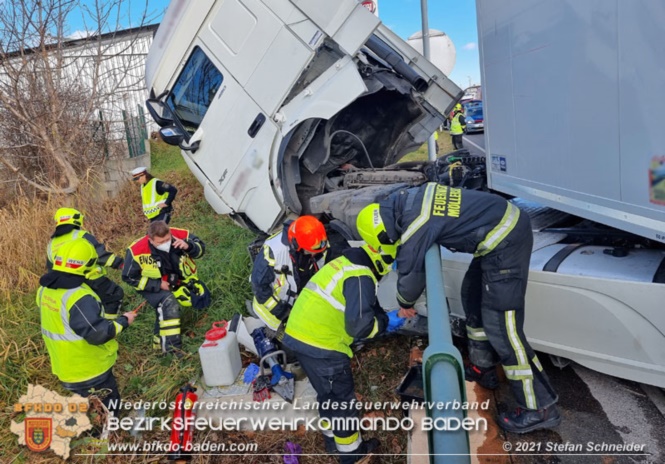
349	189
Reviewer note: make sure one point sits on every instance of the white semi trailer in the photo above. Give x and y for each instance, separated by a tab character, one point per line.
574	121
283	107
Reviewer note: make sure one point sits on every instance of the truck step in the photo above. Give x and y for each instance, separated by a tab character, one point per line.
541	216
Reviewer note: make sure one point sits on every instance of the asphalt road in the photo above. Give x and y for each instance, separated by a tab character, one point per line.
475	143
599	410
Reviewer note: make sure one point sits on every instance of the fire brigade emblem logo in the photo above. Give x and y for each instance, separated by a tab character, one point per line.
38	433
370	5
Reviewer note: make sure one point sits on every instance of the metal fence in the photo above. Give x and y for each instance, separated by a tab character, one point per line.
125	138
135	132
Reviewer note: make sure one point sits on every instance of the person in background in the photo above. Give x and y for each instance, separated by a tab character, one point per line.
493	290
156	195
457	126
80	341
161	267
69	226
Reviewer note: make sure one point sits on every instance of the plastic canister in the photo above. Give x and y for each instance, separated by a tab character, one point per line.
220	356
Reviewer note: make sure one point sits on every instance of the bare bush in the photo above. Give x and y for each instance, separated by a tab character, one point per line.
52	89
31	224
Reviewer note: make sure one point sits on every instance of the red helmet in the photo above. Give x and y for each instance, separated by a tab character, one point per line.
307	233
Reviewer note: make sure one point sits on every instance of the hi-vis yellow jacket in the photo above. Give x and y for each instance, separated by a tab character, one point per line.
143	271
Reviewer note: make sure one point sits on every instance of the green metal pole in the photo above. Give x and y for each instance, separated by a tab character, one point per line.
103	129
144	130
443	373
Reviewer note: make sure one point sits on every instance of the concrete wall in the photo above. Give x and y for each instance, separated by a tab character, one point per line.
118	171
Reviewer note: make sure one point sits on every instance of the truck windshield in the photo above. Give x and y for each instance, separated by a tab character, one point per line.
194	90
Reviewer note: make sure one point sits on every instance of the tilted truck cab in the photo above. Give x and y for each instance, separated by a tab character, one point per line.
276	98
281	107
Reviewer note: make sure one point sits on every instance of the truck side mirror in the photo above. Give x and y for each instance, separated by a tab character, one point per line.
158	113
175	136
172	135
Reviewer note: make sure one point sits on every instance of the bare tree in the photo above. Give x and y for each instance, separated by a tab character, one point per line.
53	86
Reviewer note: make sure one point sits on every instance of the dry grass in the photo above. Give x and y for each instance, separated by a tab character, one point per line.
445	146
30	225
141	374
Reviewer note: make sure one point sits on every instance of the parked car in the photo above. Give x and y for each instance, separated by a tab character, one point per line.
474	116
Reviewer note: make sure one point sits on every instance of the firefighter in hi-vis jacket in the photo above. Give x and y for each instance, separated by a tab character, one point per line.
81	342
160	266
337	307
156	195
493	290
283	267
69	226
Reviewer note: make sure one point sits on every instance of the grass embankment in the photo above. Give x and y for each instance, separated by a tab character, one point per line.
445	146
141	373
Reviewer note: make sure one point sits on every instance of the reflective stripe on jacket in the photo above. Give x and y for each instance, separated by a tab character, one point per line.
318	316
142	255
151	199
457	128
276	255
73	359
463	220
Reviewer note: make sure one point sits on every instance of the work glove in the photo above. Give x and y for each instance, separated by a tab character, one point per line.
173	280
118	263
394	321
281	311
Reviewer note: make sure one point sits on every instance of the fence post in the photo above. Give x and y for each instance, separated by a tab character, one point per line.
144	130
128	134
443	373
104	139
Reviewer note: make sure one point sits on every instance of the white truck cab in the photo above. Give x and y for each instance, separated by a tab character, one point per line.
273	101
284	107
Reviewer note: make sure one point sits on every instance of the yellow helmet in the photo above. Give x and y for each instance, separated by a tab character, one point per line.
458	107
373	231
183	295
68	216
76	257
186	293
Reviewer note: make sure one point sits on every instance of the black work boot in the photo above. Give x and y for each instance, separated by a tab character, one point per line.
368	446
528	420
331	447
365	448
486	378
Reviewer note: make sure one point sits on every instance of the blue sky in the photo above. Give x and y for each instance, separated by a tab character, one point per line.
130	14
457	18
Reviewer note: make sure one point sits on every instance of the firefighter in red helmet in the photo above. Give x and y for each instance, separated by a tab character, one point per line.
284	265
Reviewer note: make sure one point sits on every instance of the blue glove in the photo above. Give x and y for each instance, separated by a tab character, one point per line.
250	373
394	321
